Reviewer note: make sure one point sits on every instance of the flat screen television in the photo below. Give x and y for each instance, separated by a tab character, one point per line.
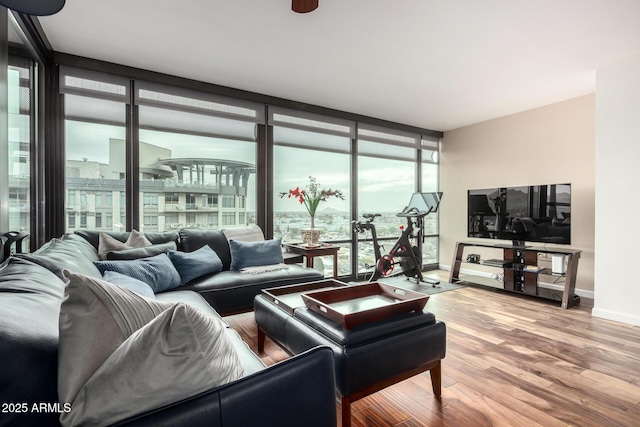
535	213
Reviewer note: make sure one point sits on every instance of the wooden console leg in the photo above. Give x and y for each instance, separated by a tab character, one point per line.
261	337
346	411
436	379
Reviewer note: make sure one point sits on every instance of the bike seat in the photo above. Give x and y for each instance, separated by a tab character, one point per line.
370	217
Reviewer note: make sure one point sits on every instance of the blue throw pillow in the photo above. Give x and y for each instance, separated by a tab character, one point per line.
191	265
135	285
157	272
251	254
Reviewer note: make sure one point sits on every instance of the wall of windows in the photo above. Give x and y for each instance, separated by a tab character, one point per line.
157	157
129	148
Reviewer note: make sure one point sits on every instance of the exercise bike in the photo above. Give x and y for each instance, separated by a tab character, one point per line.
404	258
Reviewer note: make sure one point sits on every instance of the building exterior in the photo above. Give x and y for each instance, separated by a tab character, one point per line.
174	192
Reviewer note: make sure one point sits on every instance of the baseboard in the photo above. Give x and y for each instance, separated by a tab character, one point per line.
580	292
615	316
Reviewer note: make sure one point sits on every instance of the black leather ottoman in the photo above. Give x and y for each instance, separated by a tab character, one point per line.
368	357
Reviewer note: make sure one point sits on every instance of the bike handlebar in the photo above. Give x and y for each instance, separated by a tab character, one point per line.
414	213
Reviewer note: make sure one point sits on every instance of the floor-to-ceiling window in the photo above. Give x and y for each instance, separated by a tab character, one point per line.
387	177
19	144
430	183
197	159
310	147
19	150
95	108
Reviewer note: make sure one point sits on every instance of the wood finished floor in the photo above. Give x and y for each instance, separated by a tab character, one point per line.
511	361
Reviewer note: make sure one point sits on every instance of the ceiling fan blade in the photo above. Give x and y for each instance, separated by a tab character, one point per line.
304	6
34	7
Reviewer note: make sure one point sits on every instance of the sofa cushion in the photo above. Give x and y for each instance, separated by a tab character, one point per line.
250	254
144	252
108	244
231	291
82	245
93	236
194	299
133	284
192	240
157	272
250	233
182	350
62	254
218	240
91	305
137	240
191	265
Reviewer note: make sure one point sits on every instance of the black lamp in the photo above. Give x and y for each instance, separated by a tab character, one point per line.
34	7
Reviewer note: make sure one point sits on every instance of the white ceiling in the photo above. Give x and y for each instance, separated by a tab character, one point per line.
436	64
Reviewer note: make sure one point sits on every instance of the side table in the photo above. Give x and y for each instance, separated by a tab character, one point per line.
310	252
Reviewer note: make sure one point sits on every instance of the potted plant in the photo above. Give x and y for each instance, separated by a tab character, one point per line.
311	198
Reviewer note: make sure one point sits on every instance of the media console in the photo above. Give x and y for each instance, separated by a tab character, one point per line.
521	272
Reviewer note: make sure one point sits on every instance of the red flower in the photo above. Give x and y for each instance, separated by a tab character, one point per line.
313	197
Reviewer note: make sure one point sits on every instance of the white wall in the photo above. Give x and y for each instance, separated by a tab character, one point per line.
550	144
617	236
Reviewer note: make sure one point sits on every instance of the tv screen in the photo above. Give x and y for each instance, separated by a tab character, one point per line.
536	213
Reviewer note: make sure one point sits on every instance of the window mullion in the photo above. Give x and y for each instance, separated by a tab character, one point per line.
132	171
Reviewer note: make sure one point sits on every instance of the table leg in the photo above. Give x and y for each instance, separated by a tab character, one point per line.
335	265
309	261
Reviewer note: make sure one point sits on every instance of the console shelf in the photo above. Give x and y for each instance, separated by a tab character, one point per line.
519	270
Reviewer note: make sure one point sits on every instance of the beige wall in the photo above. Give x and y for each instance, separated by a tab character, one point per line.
547	145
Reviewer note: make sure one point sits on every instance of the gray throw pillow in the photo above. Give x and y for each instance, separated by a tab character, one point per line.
137	240
95	318
195	264
157	271
109	244
250	233
250	254
135	285
145	252
177	354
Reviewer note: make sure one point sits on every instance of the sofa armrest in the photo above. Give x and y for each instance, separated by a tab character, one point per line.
297	391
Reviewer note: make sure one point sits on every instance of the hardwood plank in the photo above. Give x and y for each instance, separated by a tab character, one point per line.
511	361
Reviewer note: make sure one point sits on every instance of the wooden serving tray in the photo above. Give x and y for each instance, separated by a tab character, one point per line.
289	297
357	304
